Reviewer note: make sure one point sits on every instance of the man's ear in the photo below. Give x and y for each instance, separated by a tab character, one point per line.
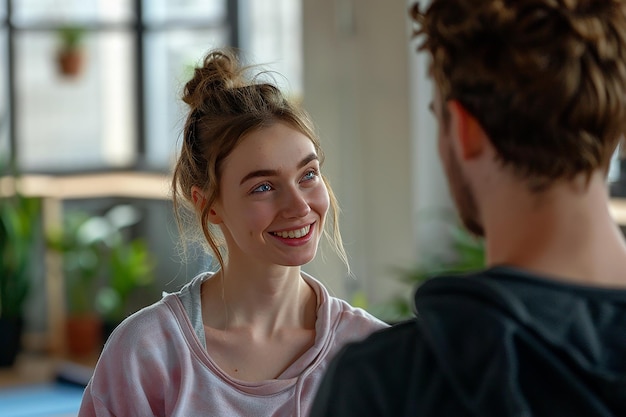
470	135
200	201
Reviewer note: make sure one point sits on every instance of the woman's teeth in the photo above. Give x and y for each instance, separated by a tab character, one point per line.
294	233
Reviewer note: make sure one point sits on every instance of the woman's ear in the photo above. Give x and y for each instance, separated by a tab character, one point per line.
197	195
214	217
470	134
200	201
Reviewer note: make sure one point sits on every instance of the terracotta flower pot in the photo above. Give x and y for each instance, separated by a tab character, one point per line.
70	62
84	335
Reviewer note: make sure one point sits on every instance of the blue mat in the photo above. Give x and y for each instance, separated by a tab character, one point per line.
45	400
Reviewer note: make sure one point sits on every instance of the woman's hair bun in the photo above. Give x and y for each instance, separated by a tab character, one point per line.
221	70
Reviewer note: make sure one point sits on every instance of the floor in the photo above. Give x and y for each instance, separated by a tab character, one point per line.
41	400
41	386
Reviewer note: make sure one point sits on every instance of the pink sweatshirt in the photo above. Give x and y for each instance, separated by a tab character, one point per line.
156	363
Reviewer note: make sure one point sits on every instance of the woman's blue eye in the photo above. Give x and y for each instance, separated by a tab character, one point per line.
262	188
309	175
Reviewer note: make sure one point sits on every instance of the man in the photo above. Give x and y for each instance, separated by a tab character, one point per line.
530	98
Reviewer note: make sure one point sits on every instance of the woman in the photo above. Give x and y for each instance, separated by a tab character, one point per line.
253	338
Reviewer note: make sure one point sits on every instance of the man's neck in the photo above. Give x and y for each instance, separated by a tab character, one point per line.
565	232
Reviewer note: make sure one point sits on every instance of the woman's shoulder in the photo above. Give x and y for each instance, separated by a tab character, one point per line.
147	322
351	315
341	315
349	323
166	319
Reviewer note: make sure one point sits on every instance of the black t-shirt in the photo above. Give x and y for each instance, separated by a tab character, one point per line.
500	342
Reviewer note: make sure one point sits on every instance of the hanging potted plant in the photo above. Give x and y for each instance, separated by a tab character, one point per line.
70	56
19	228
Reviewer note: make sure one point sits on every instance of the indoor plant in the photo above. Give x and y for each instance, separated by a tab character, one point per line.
466	252
70	55
102	267
19	229
80	243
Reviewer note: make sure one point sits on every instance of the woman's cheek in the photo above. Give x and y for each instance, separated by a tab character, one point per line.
321	201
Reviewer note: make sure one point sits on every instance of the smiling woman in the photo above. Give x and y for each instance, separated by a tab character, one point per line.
272	190
255	336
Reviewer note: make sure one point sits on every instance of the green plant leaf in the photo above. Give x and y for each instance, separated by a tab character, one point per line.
467	254
19	224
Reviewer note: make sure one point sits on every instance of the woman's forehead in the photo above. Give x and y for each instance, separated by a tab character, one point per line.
278	147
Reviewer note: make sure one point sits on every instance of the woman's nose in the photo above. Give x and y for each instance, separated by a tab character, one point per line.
295	204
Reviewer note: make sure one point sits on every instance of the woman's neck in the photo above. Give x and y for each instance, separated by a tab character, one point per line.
264	300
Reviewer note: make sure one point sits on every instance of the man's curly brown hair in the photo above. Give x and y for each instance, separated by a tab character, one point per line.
546	79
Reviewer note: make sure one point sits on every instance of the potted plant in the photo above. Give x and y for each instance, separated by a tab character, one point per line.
19	228
102	270
80	243
70	55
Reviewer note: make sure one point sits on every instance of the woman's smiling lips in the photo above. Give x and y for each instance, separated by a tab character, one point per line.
295	237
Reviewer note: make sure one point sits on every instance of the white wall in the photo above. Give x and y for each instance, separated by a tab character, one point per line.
363	82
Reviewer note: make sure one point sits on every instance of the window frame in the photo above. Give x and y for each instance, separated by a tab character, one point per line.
139	29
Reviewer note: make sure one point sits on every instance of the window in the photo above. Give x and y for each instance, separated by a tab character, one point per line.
119	110
177	35
122	109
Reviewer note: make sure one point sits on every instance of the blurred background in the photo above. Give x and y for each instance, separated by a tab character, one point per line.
90	122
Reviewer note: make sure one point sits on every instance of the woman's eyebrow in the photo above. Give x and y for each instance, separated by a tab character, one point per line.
310	157
273	172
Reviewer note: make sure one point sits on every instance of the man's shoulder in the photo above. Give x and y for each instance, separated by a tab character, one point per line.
384	350
400	336
390	373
